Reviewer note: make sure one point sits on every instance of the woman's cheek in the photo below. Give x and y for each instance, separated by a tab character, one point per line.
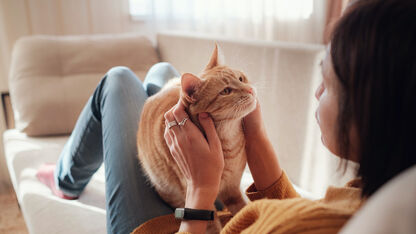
326	115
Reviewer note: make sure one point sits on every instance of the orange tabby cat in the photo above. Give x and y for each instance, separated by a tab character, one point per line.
222	92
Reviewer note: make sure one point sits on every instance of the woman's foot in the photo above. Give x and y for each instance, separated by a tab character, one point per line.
45	175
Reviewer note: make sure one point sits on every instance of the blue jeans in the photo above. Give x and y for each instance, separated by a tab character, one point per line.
106	131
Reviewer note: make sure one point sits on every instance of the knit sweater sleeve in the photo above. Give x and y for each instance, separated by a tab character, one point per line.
281	189
297	215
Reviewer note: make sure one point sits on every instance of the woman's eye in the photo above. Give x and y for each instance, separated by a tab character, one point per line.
226	91
241	79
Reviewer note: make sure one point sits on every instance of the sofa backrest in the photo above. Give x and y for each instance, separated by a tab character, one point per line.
52	77
285	74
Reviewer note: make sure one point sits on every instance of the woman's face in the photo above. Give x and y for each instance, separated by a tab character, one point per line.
327	112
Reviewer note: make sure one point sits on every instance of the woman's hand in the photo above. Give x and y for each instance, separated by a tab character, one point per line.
261	158
200	160
253	124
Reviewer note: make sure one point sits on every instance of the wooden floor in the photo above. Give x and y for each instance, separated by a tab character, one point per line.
11	219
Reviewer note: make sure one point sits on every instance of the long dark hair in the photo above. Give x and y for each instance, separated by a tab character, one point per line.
373	51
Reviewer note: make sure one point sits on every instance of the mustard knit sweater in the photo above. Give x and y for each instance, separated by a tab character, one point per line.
279	209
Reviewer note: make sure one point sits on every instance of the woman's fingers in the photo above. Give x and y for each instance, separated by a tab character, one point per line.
253	122
180	115
175	151
188	130
167	136
206	122
169	118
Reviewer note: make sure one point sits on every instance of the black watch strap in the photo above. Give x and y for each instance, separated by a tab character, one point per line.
194	214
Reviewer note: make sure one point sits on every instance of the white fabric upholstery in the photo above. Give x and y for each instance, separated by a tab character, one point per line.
392	209
24	155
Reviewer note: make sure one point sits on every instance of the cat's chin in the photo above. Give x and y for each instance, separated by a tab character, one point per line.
250	107
247	108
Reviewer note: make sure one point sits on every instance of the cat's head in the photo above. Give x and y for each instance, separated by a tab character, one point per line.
221	91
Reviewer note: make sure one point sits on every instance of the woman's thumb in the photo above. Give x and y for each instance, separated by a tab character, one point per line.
208	125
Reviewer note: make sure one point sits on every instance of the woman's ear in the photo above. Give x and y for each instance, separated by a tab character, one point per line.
189	83
217	58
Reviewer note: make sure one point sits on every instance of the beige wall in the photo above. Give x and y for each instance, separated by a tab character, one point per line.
56	17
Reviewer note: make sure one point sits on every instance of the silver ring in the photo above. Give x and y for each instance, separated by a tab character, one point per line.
183	122
172	123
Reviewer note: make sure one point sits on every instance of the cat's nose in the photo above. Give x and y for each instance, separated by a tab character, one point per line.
250	90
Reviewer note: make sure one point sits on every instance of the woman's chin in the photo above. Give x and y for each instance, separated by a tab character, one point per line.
328	147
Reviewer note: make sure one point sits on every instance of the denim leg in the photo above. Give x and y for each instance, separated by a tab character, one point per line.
158	75
107	128
130	199
82	154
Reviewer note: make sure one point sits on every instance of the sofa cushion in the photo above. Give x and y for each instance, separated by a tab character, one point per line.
52	77
24	155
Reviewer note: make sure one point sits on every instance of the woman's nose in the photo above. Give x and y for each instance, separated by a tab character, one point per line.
319	91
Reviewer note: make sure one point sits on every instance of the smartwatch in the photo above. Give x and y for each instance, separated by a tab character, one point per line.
194	214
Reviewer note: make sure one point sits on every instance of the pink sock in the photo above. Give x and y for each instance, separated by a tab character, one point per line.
45	175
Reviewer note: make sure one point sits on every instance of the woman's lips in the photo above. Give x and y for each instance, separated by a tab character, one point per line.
317	116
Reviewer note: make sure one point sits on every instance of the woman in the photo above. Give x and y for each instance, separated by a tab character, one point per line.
366	113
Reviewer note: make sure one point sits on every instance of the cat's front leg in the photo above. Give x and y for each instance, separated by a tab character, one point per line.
233	199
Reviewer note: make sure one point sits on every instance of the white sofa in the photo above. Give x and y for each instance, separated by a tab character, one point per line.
392	209
51	78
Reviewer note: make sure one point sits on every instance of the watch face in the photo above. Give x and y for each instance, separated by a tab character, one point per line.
179	213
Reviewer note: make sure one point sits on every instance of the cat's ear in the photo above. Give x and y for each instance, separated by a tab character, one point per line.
217	58
189	83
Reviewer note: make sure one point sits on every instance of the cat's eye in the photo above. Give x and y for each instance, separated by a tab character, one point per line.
226	91
241	78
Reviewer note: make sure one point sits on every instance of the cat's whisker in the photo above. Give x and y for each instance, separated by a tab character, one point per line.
234	111
237	110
